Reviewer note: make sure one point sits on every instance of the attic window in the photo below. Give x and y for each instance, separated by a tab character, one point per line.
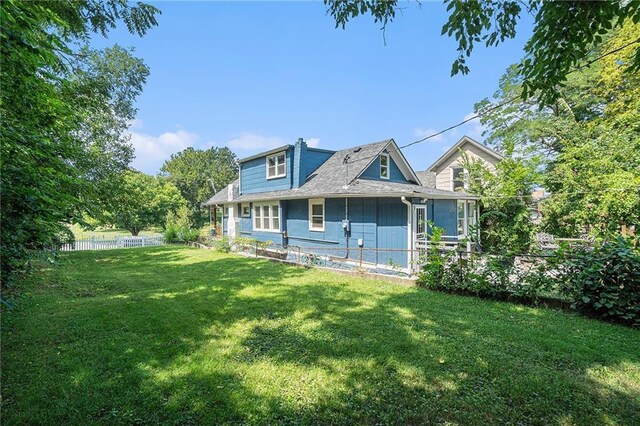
384	166
458	179
276	165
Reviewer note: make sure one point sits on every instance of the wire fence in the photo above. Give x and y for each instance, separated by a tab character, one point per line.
397	262
105	243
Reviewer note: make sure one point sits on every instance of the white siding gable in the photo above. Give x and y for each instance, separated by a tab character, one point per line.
444	172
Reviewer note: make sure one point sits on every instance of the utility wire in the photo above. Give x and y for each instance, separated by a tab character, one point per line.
601	191
500	105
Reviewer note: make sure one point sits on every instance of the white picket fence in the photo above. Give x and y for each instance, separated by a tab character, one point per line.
97	243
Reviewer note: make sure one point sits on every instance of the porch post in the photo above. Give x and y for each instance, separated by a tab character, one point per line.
478	221
466	224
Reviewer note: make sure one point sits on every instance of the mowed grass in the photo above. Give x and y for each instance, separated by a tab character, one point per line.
173	335
107	233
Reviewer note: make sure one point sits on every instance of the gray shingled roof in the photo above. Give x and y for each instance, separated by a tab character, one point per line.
334	178
334	172
223	196
427	178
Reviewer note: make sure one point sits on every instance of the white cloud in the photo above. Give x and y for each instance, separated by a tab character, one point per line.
248	141
421	133
152	151
136	123
313	142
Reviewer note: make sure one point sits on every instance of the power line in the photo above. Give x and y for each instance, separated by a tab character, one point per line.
508	101
601	191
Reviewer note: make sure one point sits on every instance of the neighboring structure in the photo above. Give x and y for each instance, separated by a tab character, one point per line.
448	173
365	196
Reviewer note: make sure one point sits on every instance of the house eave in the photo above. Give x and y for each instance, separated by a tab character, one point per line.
265	153
457	145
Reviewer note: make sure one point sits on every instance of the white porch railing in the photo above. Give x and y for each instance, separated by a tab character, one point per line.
448	242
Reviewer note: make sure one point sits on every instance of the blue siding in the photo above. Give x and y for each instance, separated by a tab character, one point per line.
373	171
253	176
392	230
379	222
313	159
443	213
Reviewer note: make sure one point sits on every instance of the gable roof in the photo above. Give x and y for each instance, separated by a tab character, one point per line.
334	178
265	153
427	178
462	141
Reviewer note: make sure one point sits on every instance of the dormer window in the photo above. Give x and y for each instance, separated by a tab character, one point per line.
384	166
276	165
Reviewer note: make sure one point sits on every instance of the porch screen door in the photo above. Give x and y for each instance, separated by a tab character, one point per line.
419	225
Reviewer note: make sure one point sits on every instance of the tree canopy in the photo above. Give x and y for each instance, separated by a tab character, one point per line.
142	202
587	141
550	54
64	109
198	174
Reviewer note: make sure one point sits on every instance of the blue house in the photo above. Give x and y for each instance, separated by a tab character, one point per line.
367	196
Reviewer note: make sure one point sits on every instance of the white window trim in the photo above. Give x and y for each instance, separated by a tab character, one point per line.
242	206
261	228
276	155
388	166
465	217
314	201
465	177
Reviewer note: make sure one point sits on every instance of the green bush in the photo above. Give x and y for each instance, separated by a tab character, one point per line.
188	235
431	275
604	281
171	233
178	228
223	245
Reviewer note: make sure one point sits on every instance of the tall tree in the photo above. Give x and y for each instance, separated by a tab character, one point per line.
198	173
142	202
62	109
550	53
505	199
588	140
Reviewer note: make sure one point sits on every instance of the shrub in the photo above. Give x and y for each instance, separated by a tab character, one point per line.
605	281
178	228
432	271
223	245
171	233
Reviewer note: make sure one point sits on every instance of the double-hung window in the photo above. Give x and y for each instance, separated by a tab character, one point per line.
276	165
245	210
316	214
266	217
384	166
457	179
467	218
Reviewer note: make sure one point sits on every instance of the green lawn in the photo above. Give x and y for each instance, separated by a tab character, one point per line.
80	233
175	335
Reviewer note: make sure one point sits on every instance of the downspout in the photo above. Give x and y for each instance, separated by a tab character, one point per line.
346	217
410	232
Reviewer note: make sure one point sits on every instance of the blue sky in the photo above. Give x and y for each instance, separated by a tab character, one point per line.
255	75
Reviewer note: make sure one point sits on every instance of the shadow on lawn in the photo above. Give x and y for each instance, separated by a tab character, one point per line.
188	344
